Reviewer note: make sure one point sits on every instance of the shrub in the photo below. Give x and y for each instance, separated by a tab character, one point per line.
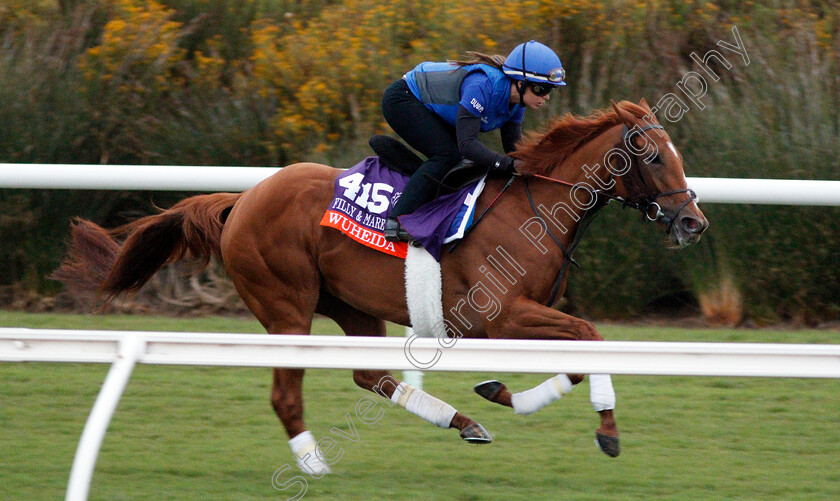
269	82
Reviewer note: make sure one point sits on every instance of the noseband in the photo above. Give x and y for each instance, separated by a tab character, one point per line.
640	195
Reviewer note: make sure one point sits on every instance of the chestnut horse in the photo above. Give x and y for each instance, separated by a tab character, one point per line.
287	267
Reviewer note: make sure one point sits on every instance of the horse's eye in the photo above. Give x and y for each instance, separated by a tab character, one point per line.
656	159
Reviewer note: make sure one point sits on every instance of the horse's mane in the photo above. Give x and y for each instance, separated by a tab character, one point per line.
541	151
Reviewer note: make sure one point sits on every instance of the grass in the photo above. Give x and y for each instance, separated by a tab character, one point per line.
209	433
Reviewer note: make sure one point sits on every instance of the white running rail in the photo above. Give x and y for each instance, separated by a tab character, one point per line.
184	178
468	355
124	349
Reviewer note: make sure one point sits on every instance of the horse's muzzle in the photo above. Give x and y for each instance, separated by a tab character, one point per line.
688	229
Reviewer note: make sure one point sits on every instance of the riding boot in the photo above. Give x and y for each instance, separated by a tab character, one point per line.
394	231
420	188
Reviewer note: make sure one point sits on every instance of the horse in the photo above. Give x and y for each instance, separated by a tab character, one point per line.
287	267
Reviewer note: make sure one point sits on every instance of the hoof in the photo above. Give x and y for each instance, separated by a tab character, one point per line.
476	434
488	389
608	445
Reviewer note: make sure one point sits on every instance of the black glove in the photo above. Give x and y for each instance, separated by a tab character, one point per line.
505	165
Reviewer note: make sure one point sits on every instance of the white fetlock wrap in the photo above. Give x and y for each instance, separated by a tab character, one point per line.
421	404
530	401
307	455
601	392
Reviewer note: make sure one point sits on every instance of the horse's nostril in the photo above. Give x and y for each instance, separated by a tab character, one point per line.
692	225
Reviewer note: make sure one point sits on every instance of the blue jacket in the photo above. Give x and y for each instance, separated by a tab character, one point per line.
480	88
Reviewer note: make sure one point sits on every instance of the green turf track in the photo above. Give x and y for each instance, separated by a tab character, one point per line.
209	433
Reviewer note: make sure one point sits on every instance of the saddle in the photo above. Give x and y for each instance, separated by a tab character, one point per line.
396	156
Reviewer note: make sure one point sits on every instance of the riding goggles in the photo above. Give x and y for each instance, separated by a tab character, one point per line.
540	90
556	76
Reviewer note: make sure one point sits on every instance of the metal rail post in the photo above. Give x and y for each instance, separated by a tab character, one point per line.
131	347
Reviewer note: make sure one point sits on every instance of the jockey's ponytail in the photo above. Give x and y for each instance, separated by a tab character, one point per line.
495	60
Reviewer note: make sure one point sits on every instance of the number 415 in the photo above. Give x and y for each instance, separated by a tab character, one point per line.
374	196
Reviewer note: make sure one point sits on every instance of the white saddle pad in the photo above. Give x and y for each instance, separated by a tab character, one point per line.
424	292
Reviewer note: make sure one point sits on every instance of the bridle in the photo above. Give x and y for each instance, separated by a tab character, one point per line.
640	195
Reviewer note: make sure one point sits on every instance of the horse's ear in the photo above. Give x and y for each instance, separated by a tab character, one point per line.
628	118
649	116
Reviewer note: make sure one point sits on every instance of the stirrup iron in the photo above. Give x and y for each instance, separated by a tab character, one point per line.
394	231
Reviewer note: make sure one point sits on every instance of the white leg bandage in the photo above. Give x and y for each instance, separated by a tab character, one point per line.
530	401
601	392
307	455
421	404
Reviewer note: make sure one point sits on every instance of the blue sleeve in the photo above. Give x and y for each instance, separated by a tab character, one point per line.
476	93
517	115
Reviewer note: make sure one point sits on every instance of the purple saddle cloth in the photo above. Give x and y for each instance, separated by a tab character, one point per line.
366	192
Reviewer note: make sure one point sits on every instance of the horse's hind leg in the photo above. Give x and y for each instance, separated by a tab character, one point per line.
355	323
282	309
287	401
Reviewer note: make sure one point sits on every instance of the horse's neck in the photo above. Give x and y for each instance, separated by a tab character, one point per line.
564	206
587	164
580	173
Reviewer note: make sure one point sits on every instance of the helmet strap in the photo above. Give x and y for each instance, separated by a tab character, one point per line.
521	87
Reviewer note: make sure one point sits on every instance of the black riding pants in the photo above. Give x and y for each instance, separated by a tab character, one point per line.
427	133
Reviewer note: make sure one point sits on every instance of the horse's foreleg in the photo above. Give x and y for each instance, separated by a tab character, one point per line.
529	401
530	320
421	404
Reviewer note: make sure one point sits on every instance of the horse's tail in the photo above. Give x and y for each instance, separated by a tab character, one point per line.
112	262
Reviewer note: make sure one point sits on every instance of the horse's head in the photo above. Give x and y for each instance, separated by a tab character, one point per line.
651	176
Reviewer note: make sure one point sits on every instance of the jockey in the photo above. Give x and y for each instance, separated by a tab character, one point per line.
439	109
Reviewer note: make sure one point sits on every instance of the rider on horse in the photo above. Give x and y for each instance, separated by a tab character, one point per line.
439	109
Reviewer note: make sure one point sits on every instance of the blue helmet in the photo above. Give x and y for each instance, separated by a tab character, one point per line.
534	62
